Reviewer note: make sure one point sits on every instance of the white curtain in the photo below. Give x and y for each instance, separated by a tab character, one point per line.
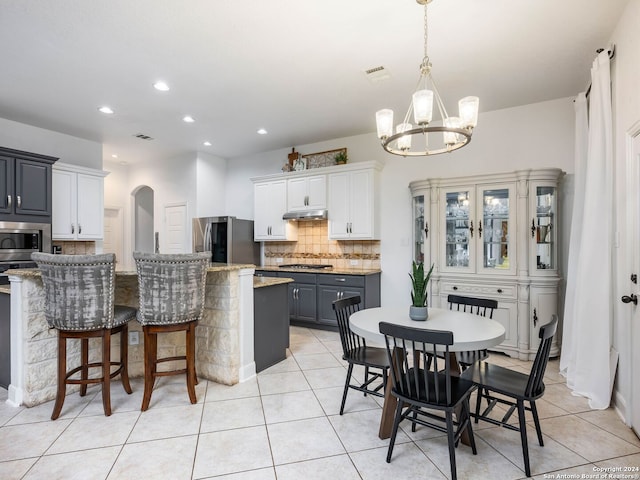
588	314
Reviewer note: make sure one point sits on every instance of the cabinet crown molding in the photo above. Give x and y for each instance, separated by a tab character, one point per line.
553	174
67	167
375	164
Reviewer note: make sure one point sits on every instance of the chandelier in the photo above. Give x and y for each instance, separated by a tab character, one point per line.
422	138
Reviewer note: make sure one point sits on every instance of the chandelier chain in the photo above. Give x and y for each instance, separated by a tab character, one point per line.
426	64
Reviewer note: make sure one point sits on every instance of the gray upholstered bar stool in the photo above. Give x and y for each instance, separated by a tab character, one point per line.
79	295
172	290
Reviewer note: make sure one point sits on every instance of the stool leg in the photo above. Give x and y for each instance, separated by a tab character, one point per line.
106	371
124	358
84	361
62	374
150	357
191	362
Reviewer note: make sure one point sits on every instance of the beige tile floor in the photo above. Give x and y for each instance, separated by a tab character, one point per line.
285	425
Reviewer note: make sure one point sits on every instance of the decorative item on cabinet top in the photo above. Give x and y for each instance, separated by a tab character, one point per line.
326	159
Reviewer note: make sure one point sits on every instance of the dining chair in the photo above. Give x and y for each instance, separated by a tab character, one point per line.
79	293
478	306
420	391
356	352
171	290
517	387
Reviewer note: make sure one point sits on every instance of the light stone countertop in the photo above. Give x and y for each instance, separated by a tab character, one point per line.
7	289
259	282
337	271
213	267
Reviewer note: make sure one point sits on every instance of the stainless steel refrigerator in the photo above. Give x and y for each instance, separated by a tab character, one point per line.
229	239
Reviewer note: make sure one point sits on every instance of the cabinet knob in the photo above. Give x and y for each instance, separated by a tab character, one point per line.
535	317
533	228
633	298
19	201
79	229
499	290
471	228
341	279
455	288
73	228
480	229
9	200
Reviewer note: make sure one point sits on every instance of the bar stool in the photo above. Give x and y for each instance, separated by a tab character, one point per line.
79	303
172	290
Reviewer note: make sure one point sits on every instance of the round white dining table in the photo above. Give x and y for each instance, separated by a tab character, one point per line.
470	332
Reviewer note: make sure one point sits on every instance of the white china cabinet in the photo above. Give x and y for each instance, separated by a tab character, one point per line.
493	236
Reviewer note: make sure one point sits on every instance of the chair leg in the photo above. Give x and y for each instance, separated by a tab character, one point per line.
366	377
467	412
124	358
346	387
150	355
523	437
191	362
106	371
478	401
452	446
62	374
84	361
536	420
394	431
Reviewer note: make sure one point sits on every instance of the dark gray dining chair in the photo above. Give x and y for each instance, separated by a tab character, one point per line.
505	386
171	290
79	304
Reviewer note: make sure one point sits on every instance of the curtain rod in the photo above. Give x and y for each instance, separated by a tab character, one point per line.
612	53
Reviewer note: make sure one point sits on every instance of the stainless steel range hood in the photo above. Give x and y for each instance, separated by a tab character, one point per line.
306	215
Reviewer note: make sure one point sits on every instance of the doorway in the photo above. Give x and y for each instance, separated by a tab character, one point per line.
114	235
143	220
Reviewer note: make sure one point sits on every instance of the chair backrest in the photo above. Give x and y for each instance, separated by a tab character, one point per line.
409	349
78	290
344	308
478	306
172	287
535	383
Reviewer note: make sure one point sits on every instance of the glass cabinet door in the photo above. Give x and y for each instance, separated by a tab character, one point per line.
418	229
458	229
543	228
495	230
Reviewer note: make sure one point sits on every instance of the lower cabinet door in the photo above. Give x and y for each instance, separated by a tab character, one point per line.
328	294
306	302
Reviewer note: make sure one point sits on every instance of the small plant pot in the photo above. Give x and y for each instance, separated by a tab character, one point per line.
419	314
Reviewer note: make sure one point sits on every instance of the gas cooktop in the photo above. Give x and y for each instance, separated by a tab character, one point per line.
306	266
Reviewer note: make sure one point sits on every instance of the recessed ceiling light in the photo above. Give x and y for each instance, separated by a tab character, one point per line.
106	110
188	119
207	144
262	131
115	155
123	163
162	86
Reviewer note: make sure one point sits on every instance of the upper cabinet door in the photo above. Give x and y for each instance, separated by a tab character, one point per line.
270	204
33	187
90	207
6	184
458	229
63	219
497	238
361	204
543	210
307	193
339	199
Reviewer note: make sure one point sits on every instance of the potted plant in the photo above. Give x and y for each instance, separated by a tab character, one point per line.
419	282
341	158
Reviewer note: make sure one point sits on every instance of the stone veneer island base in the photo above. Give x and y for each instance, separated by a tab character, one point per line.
224	337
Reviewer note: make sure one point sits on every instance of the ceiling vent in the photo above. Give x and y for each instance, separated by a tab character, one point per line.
377	74
142	136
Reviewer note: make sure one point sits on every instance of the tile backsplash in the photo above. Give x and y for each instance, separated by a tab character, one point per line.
76	248
314	246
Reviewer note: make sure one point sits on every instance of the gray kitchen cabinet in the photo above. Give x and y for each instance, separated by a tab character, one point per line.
25	189
311	295
271	325
5	340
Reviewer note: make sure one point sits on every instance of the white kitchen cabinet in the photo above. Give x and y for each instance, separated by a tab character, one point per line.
353	205
307	193
493	236
270	204
78	203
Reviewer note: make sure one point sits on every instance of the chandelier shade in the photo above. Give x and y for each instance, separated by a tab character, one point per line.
423	138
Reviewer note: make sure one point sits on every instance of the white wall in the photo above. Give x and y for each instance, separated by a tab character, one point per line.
626	112
531	136
210	186
68	149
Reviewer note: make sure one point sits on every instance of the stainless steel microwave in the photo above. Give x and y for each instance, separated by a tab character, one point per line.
18	240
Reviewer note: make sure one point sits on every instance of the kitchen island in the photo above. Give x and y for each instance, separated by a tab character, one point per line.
224	337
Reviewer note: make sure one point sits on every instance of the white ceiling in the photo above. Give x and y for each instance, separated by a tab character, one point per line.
294	67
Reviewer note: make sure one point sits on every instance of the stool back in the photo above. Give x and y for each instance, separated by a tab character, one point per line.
172	287
78	290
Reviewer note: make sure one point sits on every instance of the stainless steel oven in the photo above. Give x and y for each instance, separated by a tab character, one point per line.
18	240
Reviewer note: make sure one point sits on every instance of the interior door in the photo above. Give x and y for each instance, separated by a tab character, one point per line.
633	286
175	228
114	235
